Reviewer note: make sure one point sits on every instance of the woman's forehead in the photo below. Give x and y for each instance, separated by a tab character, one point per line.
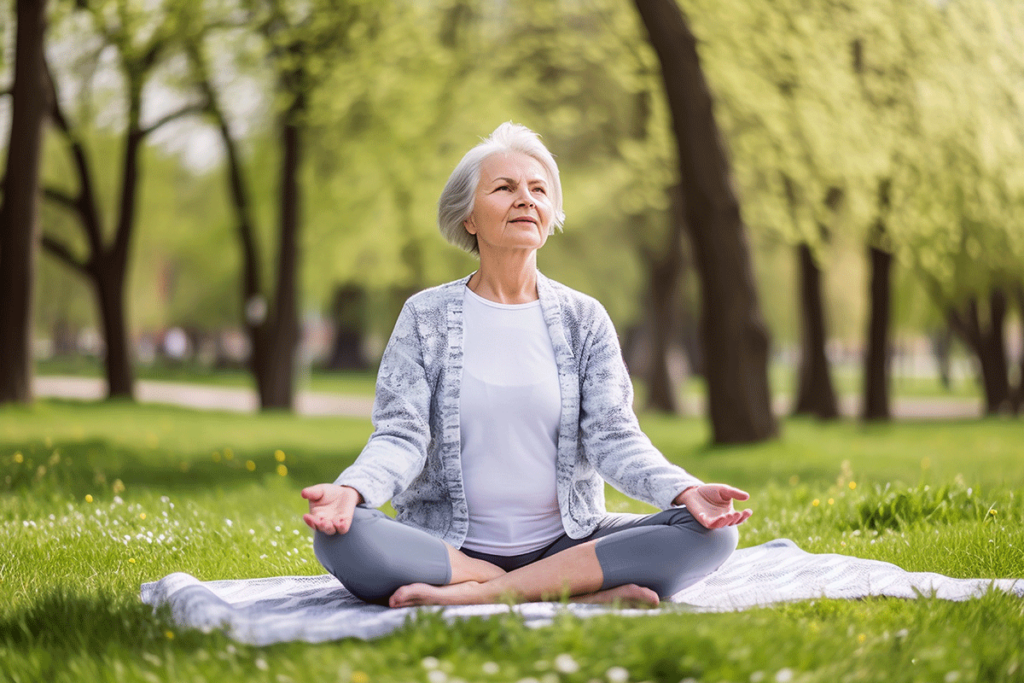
512	165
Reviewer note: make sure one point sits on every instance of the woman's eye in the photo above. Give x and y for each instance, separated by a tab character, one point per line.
540	189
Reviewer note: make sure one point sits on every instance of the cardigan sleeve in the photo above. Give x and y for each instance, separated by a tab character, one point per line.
397	449
612	439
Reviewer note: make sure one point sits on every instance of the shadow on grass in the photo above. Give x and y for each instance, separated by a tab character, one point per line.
89	466
63	621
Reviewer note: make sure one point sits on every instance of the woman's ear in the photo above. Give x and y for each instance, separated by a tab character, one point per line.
469	225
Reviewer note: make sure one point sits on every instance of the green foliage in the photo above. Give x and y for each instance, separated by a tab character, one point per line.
812	96
894	509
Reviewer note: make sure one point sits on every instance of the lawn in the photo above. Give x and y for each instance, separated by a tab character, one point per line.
96	499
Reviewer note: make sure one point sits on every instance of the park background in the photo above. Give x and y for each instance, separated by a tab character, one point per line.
820	216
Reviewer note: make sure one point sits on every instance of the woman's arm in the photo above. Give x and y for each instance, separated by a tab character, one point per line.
613	441
397	449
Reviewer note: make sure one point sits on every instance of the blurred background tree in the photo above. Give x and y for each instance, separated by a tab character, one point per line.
300	203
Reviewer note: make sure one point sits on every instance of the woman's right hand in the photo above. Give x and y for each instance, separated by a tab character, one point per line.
330	507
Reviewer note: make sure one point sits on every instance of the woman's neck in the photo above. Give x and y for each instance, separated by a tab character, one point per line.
506	280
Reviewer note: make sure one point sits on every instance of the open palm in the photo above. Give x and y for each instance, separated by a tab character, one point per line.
711	505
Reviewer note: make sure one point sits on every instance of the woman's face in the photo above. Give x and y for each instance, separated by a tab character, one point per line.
512	207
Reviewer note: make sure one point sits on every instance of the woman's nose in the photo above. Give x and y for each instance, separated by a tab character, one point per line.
523	197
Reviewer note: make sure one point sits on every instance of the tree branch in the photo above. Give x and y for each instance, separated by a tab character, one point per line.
60	251
63	198
86	204
195	108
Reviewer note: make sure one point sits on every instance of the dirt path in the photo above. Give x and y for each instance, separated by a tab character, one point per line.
202	396
242	400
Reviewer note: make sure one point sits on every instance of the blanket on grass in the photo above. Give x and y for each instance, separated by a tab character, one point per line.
318	608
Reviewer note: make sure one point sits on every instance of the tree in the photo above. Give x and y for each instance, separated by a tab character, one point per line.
735	337
140	40
19	213
299	45
784	100
892	53
960	200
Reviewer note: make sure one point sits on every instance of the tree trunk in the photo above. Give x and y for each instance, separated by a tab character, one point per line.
734	334
875	401
1018	394
815	394
278	384
663	276
349	314
994	366
876	360
109	287
989	346
19	214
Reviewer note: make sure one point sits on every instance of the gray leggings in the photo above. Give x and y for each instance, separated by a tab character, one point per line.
666	552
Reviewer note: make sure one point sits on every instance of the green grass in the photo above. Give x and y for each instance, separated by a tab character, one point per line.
173	490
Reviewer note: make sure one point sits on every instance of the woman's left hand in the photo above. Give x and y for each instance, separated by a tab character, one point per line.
711	504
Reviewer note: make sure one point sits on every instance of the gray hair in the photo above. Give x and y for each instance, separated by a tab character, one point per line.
456	202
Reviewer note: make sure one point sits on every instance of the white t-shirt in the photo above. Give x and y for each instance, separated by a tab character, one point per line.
510	410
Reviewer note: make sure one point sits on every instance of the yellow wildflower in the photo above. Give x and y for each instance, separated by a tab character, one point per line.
250	465
228	454
853	485
815	502
169	634
360	677
88	498
282	470
831	501
142	515
279	455
19	458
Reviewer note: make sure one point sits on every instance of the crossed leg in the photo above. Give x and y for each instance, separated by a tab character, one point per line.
630	558
575	572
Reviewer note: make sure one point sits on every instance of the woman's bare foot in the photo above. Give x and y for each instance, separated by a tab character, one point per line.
465	593
470	593
628	595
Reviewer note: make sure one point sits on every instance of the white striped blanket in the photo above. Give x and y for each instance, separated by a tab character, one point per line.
319	608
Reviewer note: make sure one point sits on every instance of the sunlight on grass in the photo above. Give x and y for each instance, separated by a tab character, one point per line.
96	499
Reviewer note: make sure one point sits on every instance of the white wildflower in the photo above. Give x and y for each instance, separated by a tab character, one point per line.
784	675
617	674
564	663
437	676
490	668
429	662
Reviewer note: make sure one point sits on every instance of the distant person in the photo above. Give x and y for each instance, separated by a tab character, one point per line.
503	405
175	344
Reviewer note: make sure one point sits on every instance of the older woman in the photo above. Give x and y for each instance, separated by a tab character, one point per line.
502	407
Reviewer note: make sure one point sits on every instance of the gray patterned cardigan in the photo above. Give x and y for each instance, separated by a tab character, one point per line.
413	455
